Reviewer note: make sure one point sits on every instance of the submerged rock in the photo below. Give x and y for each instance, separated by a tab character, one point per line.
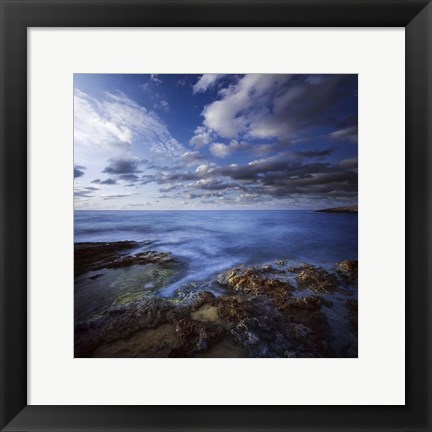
103	255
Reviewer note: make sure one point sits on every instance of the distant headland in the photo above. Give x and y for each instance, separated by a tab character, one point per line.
348	209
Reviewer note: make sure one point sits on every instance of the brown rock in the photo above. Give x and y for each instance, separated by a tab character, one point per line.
348	270
315	278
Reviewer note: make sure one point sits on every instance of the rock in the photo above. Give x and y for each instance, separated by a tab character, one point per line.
131	315
254	281
195	337
352	308
308	325
348	270
315	278
348	209
206	313
260	315
301	330
98	255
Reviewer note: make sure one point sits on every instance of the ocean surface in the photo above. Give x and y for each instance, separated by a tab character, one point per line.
214	241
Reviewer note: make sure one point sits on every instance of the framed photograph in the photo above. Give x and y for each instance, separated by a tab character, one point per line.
215	215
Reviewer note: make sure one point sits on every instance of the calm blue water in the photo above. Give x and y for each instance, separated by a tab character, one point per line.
213	241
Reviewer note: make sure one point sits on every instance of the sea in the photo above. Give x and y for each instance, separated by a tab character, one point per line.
214	241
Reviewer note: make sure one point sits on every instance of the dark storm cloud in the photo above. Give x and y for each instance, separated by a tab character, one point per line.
79	171
123	166
273	177
108	181
308	105
315	153
85	192
128	177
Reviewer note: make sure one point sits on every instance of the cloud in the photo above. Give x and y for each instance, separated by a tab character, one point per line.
116	196
277	177
314	153
129	177
205	82
109	181
349	133
241	103
94	127
84	192
349	163
79	171
162	105
223	150
283	137
155	78
192	157
265	106
202	137
124	165
115	123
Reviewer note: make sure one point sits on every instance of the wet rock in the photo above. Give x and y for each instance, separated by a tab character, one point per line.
195	337
206	313
315	278
150	257
301	330
124	319
255	281
260	316
352	308
157	342
348	270
99	255
308	325
227	347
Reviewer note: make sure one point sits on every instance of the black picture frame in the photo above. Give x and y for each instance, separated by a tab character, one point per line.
18	15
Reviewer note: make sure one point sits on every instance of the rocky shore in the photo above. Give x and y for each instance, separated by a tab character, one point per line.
272	310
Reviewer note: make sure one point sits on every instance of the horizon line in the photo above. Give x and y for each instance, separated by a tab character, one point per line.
155	210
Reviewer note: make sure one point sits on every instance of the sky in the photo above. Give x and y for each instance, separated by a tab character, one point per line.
215	142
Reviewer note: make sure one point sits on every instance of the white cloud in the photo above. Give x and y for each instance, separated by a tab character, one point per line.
223	150
202	137
191	157
116	123
163	105
220	150
205	168
242	104
155	78
92	127
205	82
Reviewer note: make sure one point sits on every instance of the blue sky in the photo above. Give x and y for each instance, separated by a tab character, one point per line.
213	141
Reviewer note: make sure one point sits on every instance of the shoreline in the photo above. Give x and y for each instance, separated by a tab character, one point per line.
270	310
